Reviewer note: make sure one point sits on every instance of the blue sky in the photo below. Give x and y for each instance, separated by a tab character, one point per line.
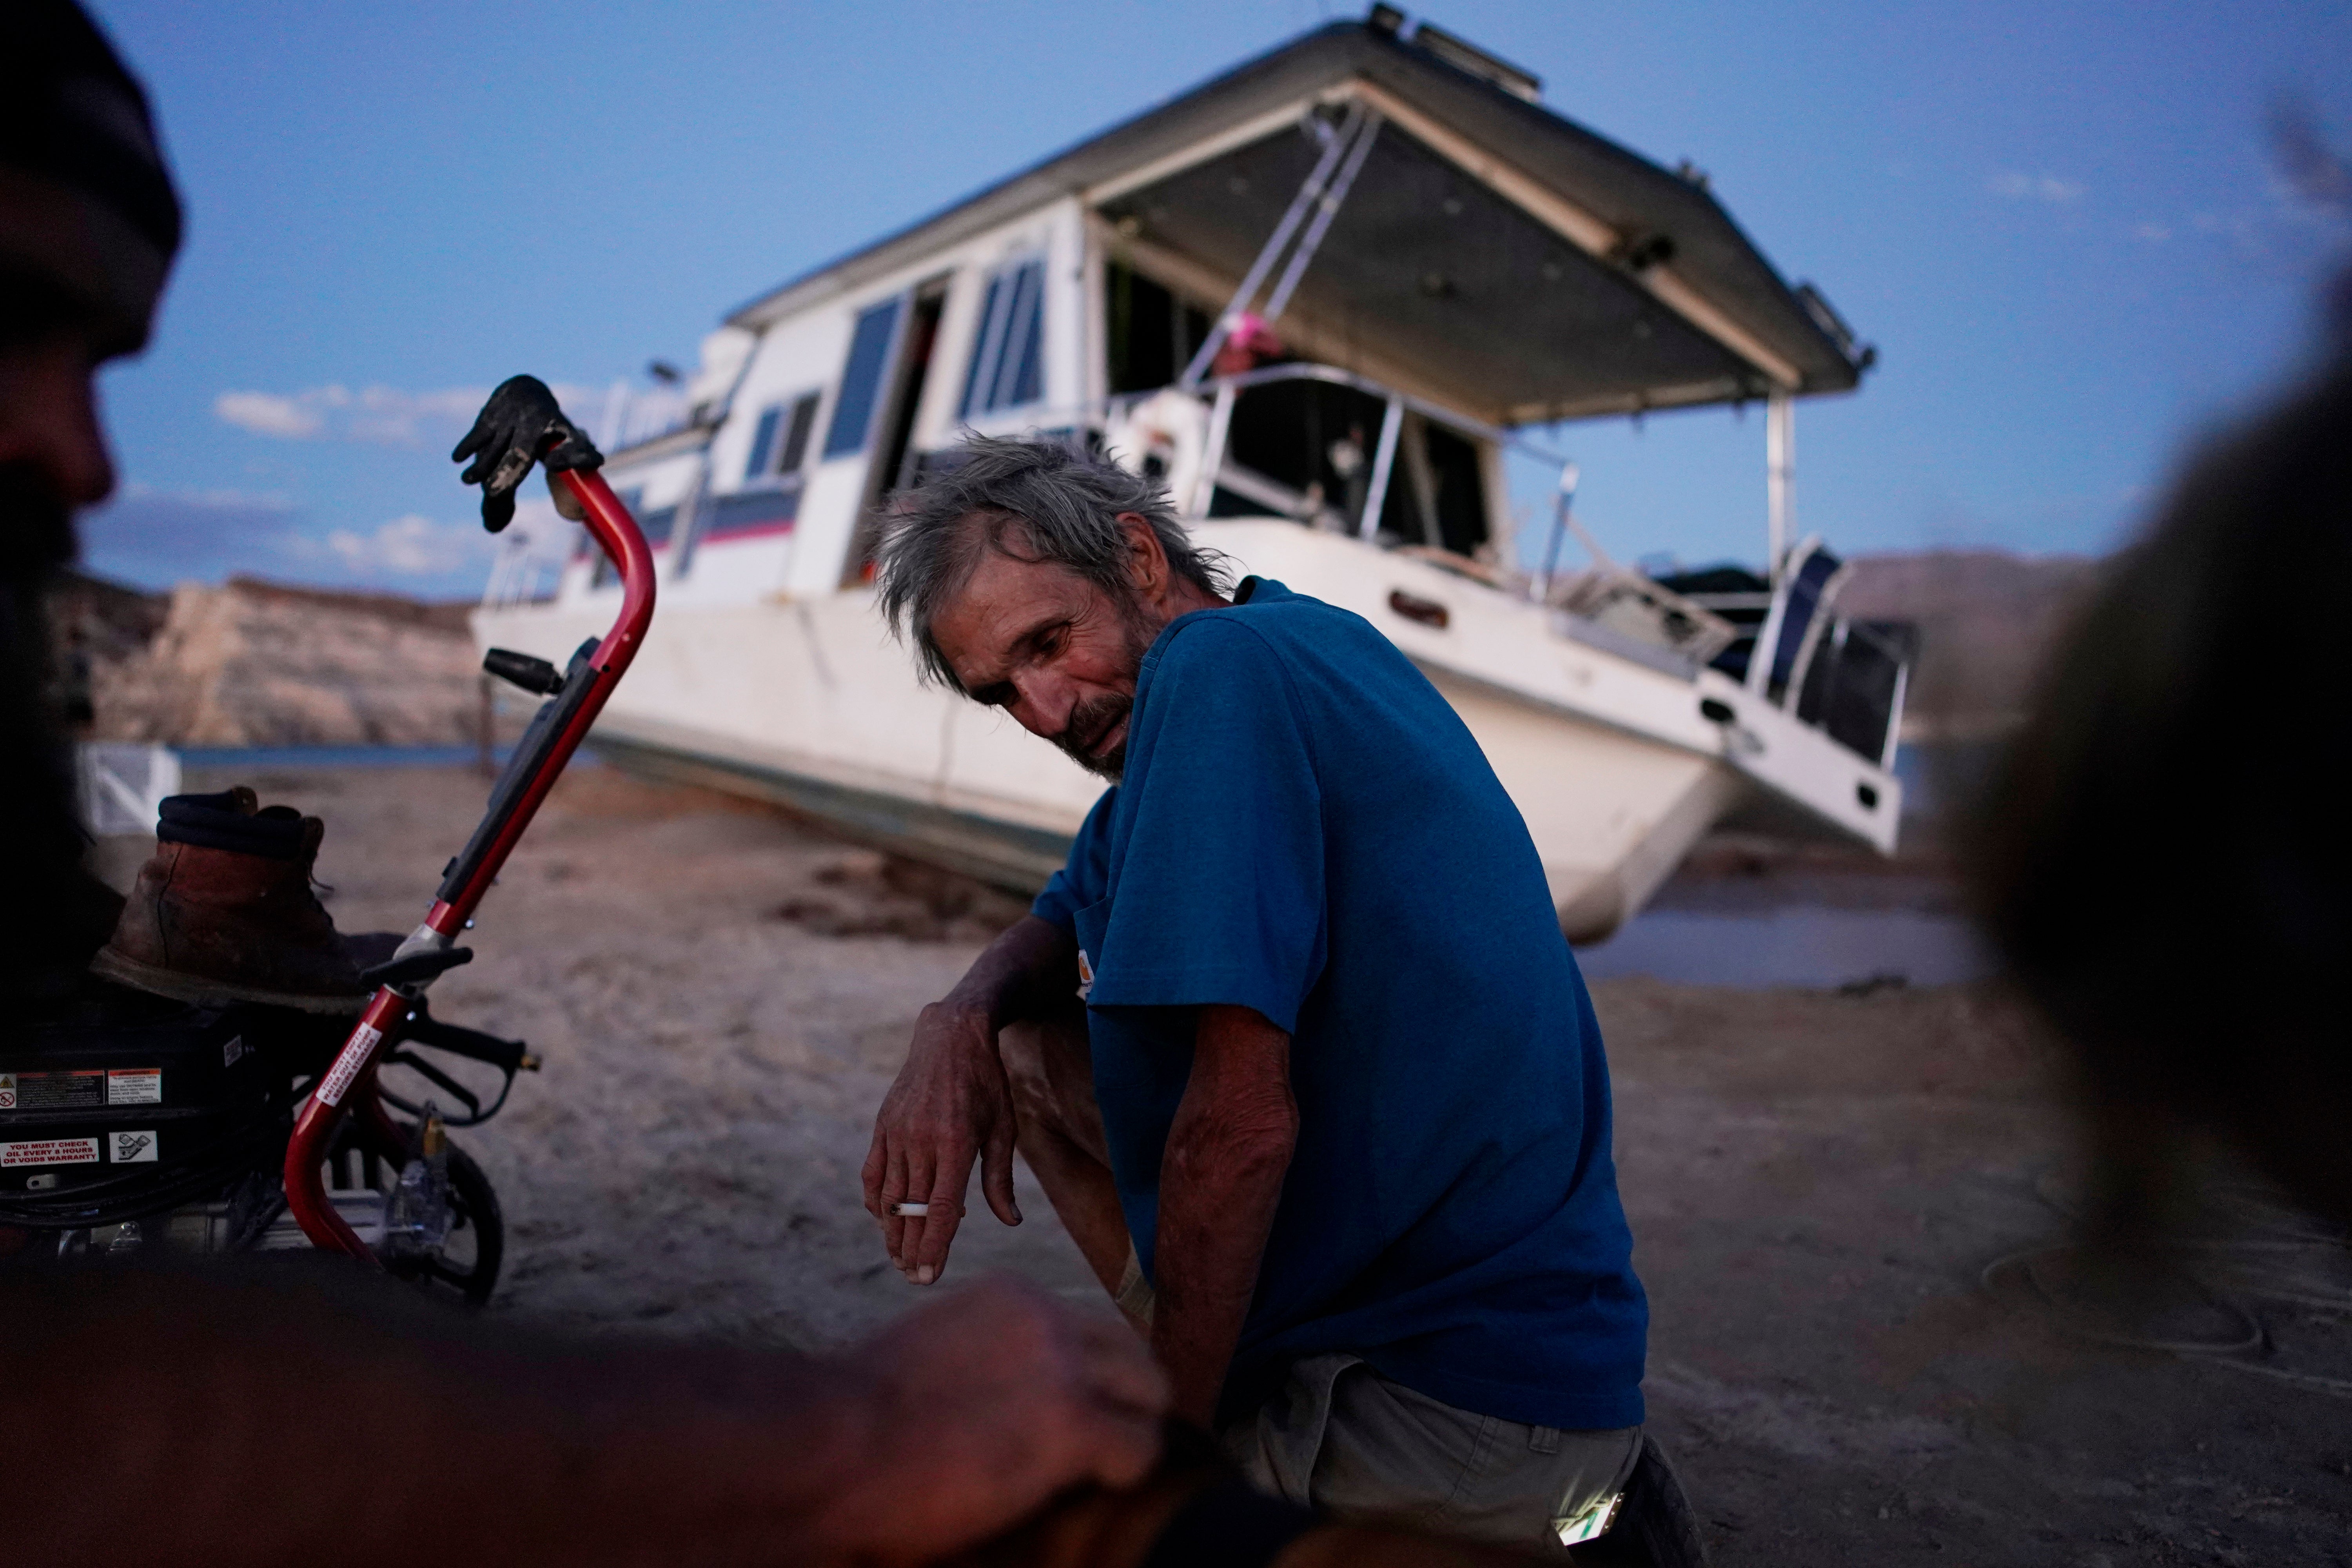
2060	224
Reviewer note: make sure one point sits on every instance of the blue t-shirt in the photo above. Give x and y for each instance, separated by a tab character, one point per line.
1305	827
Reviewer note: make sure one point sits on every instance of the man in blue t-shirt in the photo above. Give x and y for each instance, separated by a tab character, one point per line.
1332	1126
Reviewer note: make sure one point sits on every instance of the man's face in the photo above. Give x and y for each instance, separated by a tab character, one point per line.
57	326
53	456
1051	649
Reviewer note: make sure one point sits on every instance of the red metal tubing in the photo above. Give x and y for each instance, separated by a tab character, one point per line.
614	530
351	1080
352	1069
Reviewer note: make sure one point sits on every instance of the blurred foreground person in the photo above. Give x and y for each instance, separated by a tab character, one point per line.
2166	854
308	1413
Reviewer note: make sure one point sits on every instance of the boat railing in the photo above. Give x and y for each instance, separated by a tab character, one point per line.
1843	677
636	415
1625	605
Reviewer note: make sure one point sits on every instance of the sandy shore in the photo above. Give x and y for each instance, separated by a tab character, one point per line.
1816	1183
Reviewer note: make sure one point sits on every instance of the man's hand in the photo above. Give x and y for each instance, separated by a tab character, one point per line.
979	1408
951	1102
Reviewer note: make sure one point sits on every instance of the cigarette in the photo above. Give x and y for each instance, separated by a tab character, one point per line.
910	1211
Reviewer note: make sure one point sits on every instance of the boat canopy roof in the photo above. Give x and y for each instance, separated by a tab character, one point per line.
1505	258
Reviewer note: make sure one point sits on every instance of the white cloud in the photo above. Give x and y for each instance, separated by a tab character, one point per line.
210	501
385	416
2036	187
266	414
2154	233
398	418
410	546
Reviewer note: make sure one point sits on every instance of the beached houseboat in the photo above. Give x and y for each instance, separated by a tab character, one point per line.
1322	296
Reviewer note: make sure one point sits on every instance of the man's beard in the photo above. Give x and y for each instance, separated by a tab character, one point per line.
1092	720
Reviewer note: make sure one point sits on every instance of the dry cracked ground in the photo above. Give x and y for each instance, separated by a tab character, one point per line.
1817	1183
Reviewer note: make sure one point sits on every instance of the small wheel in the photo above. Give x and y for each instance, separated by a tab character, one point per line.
468	1263
468	1260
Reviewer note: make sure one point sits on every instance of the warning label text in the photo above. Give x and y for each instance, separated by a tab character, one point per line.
50	1152
59	1091
134	1086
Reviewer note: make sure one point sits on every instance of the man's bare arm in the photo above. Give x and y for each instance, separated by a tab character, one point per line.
302	1415
951	1103
1220	1179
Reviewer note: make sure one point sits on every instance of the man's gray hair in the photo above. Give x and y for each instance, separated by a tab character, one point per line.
1038	499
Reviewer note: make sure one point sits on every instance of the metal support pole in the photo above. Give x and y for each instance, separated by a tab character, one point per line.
1213	455
1275	244
1326	210
1561	513
1779	479
1384	464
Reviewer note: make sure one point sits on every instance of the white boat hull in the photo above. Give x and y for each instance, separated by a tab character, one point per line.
810	702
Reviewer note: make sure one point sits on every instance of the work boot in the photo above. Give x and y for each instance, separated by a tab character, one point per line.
224	912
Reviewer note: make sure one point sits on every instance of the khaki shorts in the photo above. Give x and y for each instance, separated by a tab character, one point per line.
1342	1439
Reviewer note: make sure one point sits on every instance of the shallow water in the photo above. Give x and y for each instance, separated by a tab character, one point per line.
1802	945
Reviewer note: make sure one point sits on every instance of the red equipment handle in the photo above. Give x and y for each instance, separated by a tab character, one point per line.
354	1066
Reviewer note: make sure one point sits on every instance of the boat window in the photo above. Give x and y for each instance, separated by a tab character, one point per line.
984	346
797	434
1460	498
1854	687
902	399
1008	354
1810	582
763	442
861	379
1313	438
1305	449
793	422
750	512
1152	335
655	526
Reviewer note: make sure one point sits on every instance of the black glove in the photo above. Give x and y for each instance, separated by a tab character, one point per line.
520	424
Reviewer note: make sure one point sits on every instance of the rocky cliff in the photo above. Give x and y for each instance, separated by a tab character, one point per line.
251	663
1986	618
